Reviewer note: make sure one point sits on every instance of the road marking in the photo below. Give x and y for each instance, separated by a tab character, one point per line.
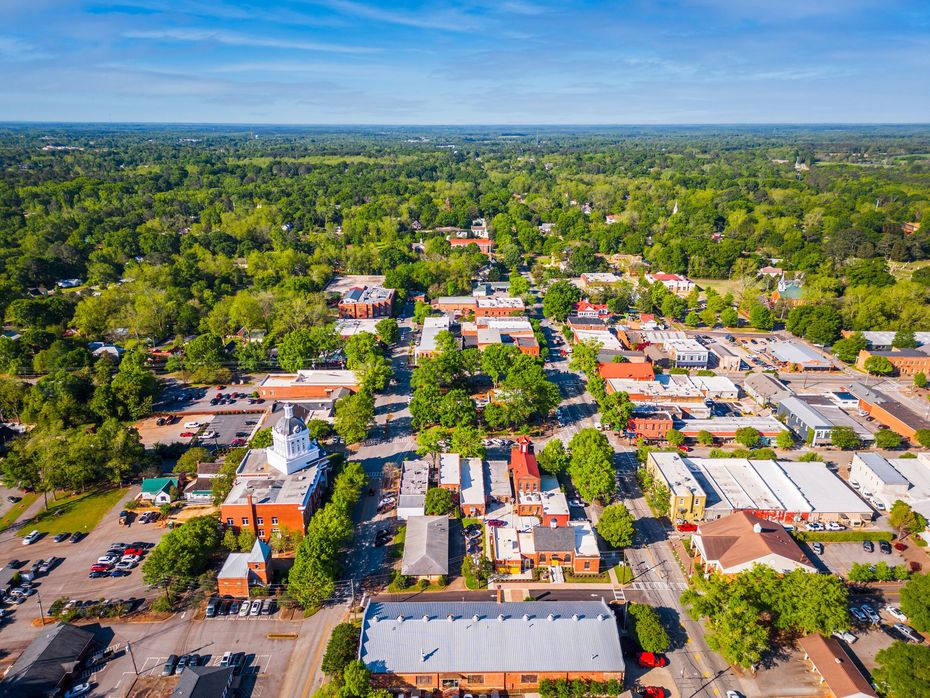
316	656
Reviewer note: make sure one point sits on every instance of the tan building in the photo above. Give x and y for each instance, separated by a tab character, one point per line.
735	543
836	669
906	362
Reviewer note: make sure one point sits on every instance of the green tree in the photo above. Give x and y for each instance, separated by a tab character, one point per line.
904	339
748	437
705	438
262	438
182	554
591	465
923	437
553	458
879	366
433	441
560	299
245	540
341	649
356	680
915	601
729	317
848	348
425	406
785	439
617	526
204	351
901	670
188	461
674	437
497	360
647	628
456	409
388	331
920	379
845	438
297	350
885	438
905	520
708	317
468	441
692	319
761	317
421	311
438	501
354	414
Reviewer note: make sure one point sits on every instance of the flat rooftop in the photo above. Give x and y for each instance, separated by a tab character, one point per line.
432	326
276	489
497	477
472	481
676	473
501	302
367	295
797	353
334	378
346	327
414	478
607	340
450	469
341	284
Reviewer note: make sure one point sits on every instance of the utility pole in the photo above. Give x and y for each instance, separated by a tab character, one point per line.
41	611
132	657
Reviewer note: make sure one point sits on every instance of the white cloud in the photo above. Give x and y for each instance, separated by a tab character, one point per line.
235	39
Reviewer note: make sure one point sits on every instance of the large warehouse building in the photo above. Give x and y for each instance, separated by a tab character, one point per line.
484	646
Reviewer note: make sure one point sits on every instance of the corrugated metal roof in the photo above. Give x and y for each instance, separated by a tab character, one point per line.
426	546
486	636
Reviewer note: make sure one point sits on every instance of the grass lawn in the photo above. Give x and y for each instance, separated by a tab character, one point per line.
601	578
624	574
9	518
78	513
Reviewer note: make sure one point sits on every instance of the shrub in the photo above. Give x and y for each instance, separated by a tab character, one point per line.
842	536
162	605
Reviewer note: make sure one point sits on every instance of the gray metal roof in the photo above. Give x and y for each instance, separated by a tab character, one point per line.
883	470
486	637
426	546
203	682
553	540
766	385
43	665
806	413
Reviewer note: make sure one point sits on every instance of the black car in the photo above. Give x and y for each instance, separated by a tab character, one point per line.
885	547
182	664
98	575
169	666
194	659
868	546
61	536
13	499
75	537
237	662
120	573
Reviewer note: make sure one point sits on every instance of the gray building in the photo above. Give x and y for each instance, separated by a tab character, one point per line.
766	389
805	421
426	547
50	663
204	682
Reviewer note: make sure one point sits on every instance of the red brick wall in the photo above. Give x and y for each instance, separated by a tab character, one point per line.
510	681
299	392
365	310
289	515
233	587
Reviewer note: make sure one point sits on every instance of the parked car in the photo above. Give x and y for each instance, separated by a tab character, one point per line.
169	665
81	689
182	664
192	425
649	660
907	632
13	499
120	572
75	537
686	527
187	434
858	614
848	637
211	607
871	613
885	547
227	656
61	536
267	607
734	694
244	609
32	537
897	613
868	546
834	526
814	526
496	523
654	692
234	608
255	608
900	546
817	548
237	662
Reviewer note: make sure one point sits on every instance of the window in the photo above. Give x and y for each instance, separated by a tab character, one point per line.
475	679
274	520
542	557
245	521
450	683
261	533
260	520
229	521
529	678
587	564
424	680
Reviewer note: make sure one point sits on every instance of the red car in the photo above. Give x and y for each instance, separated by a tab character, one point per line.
133	551
686	527
187	434
101	568
654	692
495	523
900	546
650	660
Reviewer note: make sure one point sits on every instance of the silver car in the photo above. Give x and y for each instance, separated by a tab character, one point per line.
256	607
872	614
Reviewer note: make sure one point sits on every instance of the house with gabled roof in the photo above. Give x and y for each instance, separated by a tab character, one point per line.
426	547
242	571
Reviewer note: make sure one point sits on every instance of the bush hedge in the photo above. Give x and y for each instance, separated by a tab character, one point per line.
842	536
561	688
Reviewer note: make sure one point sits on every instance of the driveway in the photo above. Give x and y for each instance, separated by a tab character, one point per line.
838	558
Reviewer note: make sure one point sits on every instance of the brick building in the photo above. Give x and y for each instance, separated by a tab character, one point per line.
483	244
278	487
524	470
483	646
513	331
367	302
241	571
641	371
306	384
906	362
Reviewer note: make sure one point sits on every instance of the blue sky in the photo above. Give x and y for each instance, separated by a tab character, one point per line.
470	62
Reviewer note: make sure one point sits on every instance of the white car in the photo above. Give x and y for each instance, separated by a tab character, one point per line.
734	694
125	565
847	636
107	560
872	614
896	613
834	526
32	537
814	527
132	559
209	435
81	689
192	425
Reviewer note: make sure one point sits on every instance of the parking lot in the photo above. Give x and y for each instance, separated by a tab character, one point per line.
266	658
180	398
226	426
68	578
838	558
